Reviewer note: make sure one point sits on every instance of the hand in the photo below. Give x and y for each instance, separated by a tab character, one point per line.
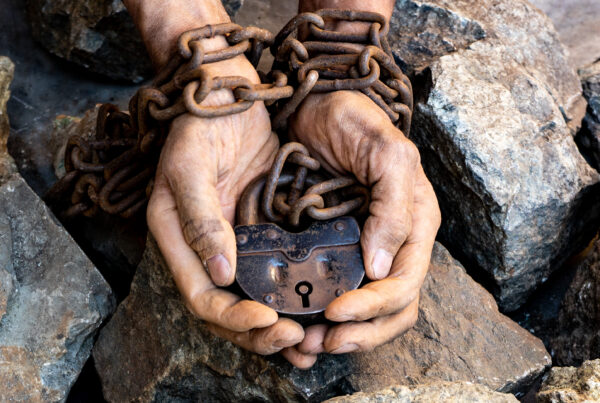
348	133
204	167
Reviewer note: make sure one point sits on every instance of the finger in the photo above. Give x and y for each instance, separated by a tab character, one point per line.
193	180
298	359
198	291
365	336
313	340
269	340
390	210
410	266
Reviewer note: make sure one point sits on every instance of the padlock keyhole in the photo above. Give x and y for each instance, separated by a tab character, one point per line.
304	288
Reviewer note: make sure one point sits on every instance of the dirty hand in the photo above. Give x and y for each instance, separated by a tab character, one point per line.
204	166
348	133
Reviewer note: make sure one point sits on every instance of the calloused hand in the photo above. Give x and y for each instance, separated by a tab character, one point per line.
204	167
348	133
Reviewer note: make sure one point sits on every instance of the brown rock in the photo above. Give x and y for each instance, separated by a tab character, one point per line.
578	328
154	350
572	385
456	392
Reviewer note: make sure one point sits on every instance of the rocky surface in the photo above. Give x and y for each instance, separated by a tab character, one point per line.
577	335
495	115
7	69
457	392
98	35
572	385
578	23
52	300
154	350
589	137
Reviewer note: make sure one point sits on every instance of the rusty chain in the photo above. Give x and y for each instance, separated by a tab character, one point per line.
113	172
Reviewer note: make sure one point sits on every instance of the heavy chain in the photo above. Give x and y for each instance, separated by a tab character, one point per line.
113	171
331	60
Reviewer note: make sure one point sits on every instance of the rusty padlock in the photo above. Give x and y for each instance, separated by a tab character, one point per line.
296	274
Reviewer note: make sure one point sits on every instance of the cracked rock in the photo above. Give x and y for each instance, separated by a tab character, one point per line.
572	385
154	350
458	392
52	300
98	35
496	110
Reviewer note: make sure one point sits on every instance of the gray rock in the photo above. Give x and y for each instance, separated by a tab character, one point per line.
457	392
495	115
7	69
52	300
98	35
588	138
572	385
578	23
154	350
577	335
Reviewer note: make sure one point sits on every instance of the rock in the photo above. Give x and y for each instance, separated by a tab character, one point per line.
588	138
495	116
578	328
578	23
458	392
154	350
7	69
52	300
572	385
98	35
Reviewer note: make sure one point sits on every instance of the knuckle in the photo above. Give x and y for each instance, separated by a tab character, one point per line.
200	234
407	151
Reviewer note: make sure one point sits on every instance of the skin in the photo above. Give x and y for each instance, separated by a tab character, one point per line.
206	163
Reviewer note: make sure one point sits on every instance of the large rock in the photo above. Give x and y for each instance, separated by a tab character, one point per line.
52	300
7	69
589	137
154	350
98	35
572	385
578	23
577	335
495	115
457	392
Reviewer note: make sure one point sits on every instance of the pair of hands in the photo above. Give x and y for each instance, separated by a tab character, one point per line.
206	164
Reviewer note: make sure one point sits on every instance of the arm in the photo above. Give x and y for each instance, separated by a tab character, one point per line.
204	166
347	132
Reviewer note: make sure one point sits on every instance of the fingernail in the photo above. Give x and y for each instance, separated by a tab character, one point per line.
382	262
219	269
346	348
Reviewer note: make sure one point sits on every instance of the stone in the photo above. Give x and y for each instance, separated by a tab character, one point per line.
572	385
97	35
7	69
153	349
578	23
458	392
577	336
588	138
52	300
496	109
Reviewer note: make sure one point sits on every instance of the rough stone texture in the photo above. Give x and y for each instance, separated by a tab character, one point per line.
494	118
578	23
154	350
98	35
572	385
52	300
7	69
588	138
457	392
578	329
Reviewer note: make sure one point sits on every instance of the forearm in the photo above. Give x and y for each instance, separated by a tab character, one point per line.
160	23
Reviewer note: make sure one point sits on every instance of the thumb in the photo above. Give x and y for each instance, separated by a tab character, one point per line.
390	210
204	226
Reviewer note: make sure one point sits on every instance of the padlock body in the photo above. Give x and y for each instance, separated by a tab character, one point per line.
299	273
